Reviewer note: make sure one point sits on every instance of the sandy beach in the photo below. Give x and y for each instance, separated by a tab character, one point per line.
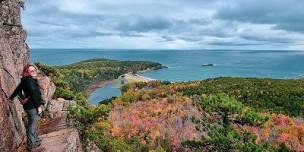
126	78
129	78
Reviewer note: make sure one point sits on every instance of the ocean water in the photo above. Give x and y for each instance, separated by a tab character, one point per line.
185	65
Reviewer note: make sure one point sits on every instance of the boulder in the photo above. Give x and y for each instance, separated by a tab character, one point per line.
55	131
64	140
47	88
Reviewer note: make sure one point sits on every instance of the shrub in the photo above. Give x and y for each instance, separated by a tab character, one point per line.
220	131
81	99
67	94
47	70
83	115
62	84
280	96
119	145
158	149
254	118
223	138
96	133
221	104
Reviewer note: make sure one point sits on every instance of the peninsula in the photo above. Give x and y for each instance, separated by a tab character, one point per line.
83	77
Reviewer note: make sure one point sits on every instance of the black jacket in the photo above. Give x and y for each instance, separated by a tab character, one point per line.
30	87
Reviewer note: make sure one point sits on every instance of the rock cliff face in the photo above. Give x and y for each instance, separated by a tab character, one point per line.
14	54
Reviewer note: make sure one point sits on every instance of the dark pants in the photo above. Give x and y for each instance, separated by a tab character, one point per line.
31	128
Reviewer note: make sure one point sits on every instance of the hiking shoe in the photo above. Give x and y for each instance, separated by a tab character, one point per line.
29	148
38	142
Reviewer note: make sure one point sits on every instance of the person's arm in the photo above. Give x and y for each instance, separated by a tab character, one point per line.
16	91
34	92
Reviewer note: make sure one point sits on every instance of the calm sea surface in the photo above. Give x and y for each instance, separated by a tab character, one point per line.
185	65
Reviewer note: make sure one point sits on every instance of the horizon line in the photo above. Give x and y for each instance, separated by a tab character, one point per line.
145	49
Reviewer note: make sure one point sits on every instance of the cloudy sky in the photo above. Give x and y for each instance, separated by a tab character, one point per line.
166	24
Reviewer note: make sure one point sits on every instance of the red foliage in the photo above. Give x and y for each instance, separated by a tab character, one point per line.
280	129
156	120
280	120
282	137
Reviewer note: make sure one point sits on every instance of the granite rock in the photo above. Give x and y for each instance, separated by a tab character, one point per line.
14	54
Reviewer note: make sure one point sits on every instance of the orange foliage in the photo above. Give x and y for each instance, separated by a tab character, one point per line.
156	120
281	129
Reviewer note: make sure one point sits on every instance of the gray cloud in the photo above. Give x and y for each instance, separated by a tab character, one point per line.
222	43
165	24
143	24
269	40
286	15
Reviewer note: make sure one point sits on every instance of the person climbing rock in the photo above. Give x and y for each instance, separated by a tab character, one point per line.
29	95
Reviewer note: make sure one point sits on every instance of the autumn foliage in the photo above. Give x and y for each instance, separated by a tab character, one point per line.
156	120
281	130
194	116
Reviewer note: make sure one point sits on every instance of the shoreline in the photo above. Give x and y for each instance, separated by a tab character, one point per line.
130	78
125	78
91	88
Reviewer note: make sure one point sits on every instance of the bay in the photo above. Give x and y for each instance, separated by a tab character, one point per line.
186	65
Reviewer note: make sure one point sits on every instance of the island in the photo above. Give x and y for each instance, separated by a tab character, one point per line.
208	65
